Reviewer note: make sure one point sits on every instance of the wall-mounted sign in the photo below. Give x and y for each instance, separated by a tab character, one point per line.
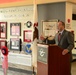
68	24
27	48
22	12
27	35
29	24
3	30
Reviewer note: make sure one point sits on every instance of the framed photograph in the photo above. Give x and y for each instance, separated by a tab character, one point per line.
15	29
15	44
3	43
27	36
49	28
3	30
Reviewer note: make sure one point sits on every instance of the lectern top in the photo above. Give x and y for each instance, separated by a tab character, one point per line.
43	45
46	45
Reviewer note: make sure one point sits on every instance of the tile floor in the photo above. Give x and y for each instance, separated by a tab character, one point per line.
13	72
74	68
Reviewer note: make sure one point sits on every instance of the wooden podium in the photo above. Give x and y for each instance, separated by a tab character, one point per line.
50	60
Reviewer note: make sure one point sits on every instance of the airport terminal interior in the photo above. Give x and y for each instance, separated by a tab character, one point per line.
22	22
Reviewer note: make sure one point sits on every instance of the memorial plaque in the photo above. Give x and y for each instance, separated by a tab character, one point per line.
3	30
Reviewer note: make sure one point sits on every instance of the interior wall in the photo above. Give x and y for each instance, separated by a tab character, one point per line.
50	11
42	15
17	15
21	15
68	16
74	28
57	11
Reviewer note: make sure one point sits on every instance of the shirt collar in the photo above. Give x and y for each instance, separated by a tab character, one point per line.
61	32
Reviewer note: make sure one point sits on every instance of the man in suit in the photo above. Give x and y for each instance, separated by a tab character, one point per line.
63	39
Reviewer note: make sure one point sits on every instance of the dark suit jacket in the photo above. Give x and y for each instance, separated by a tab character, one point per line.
66	41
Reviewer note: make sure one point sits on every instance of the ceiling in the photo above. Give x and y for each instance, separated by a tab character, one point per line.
14	1
9	1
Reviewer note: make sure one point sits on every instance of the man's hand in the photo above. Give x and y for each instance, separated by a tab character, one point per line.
65	51
42	37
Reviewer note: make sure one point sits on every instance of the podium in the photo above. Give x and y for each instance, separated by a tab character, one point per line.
50	60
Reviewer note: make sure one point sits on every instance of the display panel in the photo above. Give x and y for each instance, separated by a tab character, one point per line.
15	44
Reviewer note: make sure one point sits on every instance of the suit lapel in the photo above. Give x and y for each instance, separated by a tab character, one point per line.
57	39
62	35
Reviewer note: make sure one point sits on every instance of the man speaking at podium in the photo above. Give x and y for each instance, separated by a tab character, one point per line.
63	39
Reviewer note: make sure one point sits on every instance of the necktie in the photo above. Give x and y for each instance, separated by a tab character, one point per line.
59	36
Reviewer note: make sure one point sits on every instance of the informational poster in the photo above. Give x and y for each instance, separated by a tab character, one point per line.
68	26
49	28
3	27
15	29
27	35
